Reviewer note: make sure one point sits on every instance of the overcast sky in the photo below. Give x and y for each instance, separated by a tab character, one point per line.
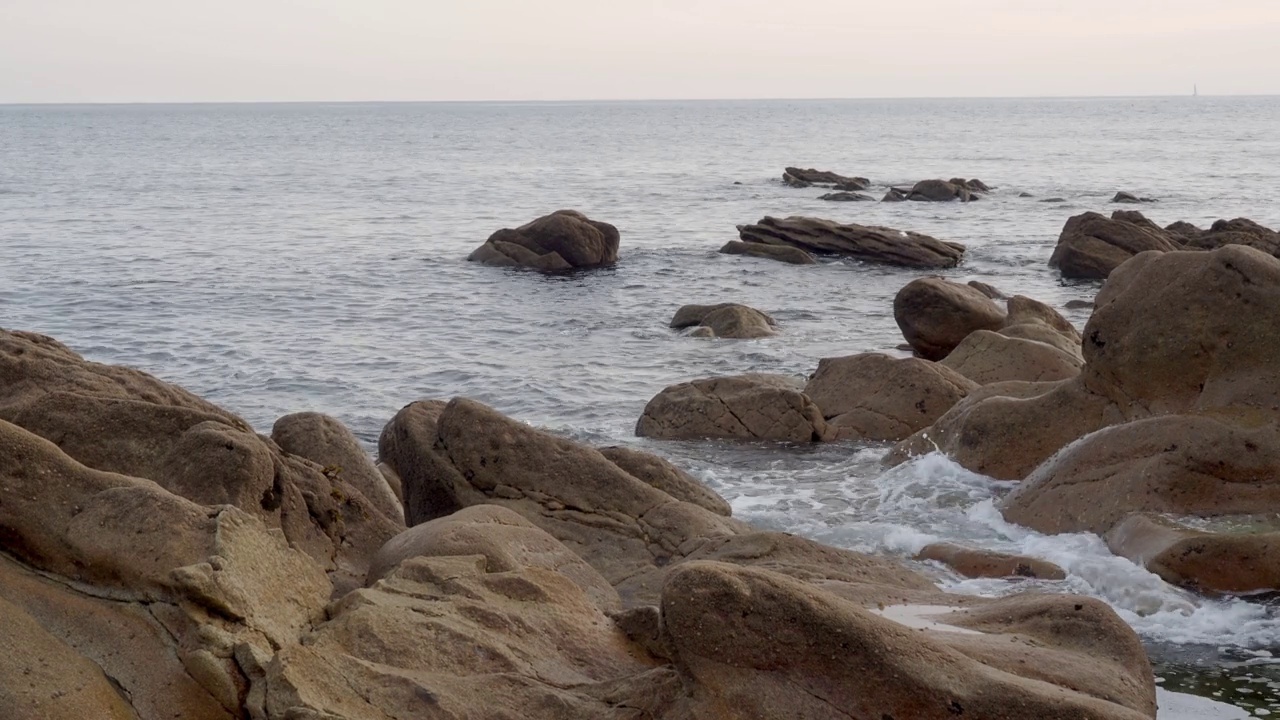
252	50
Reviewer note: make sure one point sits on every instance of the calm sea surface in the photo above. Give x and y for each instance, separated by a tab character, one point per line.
277	258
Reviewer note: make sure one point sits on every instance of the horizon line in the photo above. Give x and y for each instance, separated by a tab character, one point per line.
60	103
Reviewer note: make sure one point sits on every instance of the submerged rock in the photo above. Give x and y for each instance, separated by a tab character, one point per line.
563	240
1126	197
1207	562
974	563
1240	231
895	195
726	320
847	197
783	253
941	191
858	242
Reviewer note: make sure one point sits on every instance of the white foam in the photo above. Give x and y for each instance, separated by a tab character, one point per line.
1180	706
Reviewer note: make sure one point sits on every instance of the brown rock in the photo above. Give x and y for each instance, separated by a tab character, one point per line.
666	477
726	320
844	196
782	253
877	397
565	239
328	443
756	644
974	563
507	541
935	315
1033	320
985	289
1240	231
428	481
822	177
894	195
1208	562
748	407
1183	231
858	242
1175	464
1126	197
986	357
1091	245
940	191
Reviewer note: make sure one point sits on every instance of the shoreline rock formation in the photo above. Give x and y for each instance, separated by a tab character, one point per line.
564	240
725	320
533	577
803	178
858	242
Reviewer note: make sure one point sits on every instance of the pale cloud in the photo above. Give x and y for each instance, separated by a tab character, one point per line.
182	50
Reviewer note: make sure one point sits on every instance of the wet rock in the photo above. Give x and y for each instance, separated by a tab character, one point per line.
1091	246
973	185
847	197
749	407
1184	465
1223	303
822	177
1240	231
974	563
1054	200
783	253
792	181
747	639
563	240
936	315
988	290
1126	197
1183	231
700	331
1207	562
668	478
726	320
1079	305
877	397
1133	217
1025	195
858	242
328	443
940	191
895	195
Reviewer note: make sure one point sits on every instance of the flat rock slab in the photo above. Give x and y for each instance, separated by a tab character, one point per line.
859	242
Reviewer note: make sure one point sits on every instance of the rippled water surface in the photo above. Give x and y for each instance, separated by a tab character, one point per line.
277	258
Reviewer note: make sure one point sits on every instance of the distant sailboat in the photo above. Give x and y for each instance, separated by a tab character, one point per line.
1195	91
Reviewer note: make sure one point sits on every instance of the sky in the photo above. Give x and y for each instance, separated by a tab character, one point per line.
356	50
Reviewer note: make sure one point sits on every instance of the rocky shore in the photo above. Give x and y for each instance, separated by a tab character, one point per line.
163	559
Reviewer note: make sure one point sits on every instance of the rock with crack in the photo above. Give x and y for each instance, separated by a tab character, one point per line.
747	407
1091	246
857	242
876	397
798	177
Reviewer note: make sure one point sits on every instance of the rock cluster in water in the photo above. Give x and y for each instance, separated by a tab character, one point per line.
564	240
163	560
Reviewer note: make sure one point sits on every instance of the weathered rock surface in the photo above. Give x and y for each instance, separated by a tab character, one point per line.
823	177
328	443
119	420
974	563
877	397
748	407
726	320
936	315
986	357
782	253
1127	197
563	240
1178	333
1240	231
1208	562
859	242
895	195
1091	246
1183	231
666	477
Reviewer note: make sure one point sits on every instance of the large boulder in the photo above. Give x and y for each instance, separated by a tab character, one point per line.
876	397
1209	562
822	177
781	253
747	407
935	315
755	644
940	191
563	240
726	320
859	242
1240	231
1173	333
987	357
1092	245
119	420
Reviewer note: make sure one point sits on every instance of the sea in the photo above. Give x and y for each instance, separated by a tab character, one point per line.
276	258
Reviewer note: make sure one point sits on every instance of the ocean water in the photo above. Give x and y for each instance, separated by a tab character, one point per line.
278	258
